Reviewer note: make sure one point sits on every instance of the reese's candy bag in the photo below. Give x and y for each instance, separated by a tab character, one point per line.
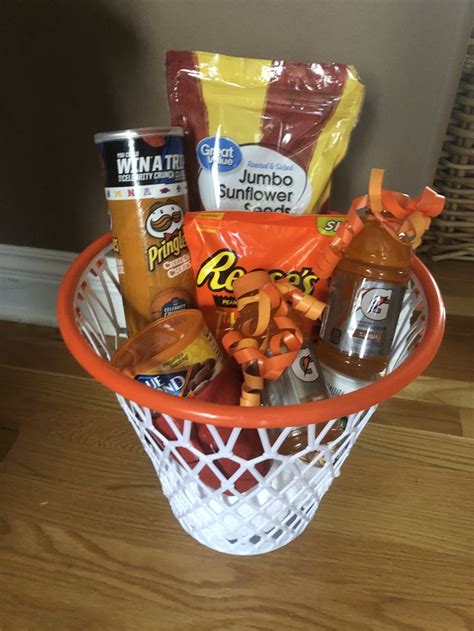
225	246
261	134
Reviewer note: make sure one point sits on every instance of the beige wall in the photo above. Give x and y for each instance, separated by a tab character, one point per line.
69	69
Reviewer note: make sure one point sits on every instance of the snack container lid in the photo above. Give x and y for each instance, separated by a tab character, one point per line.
159	341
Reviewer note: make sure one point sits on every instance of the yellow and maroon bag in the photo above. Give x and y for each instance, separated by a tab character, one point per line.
261	134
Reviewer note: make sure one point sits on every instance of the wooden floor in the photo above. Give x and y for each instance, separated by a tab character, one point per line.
87	541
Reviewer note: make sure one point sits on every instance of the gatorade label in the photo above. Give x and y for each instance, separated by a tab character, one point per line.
362	316
302	382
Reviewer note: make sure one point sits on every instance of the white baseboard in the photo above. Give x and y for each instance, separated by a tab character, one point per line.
29	283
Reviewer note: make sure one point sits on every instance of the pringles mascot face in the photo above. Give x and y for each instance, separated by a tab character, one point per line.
164	220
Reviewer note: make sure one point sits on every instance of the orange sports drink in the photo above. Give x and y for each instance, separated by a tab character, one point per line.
302	380
373	251
365	300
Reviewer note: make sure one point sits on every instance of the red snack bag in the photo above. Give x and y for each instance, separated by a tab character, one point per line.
225	246
225	388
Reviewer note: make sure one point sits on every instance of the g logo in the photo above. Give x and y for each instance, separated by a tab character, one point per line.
304	367
375	303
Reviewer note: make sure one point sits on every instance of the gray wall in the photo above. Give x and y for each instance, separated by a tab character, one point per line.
69	69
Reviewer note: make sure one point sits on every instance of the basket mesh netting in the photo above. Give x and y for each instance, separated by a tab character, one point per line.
233	489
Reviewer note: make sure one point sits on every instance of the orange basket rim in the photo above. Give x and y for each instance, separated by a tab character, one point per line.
232	415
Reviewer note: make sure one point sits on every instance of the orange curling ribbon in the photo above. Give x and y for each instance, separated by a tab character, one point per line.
333	251
260	354
411	217
376	203
398	213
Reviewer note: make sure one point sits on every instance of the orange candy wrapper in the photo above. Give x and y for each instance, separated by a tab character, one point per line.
226	245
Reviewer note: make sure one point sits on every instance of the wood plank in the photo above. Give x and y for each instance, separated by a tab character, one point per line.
378	555
98	466
96	584
77	409
430	417
456	282
456	272
414	451
459	305
8	437
454	359
84	412
87	539
29	346
36	347
467	422
442	391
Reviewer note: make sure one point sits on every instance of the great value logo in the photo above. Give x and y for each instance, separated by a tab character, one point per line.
220	153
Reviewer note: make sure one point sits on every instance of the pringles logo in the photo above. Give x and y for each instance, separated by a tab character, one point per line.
165	223
221	269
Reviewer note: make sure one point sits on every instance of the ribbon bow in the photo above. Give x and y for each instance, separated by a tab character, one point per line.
397	212
263	354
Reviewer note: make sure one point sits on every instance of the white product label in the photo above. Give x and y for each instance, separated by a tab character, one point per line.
250	177
339	384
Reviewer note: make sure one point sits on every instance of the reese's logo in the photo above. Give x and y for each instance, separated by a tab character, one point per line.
221	269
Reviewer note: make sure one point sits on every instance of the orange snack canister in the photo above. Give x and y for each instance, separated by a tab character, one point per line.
176	354
147	198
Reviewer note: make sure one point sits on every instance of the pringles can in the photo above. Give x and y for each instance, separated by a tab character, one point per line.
146	192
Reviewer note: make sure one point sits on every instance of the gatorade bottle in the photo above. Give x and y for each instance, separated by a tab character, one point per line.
301	382
365	300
